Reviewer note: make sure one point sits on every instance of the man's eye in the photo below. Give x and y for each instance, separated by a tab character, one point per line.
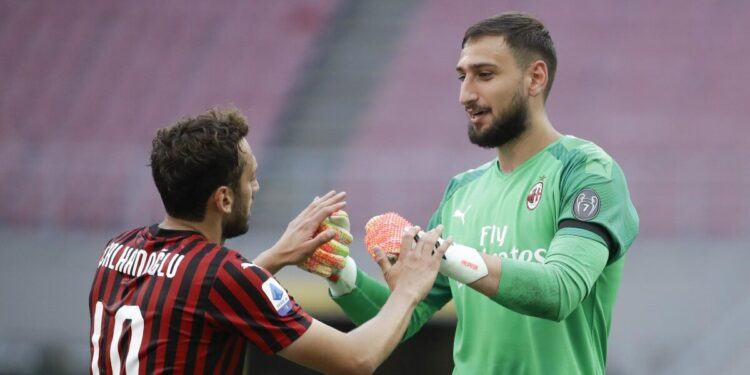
461	78
485	75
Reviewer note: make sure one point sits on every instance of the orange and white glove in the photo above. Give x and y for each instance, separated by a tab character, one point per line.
330	258
461	263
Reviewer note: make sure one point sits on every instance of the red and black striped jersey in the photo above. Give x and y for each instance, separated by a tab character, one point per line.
167	301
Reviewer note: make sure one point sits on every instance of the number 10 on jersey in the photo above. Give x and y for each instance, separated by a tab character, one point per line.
124	313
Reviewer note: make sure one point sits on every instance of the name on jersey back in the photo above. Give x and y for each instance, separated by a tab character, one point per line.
136	262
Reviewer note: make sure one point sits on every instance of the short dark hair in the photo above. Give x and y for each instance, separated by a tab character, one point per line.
194	157
527	37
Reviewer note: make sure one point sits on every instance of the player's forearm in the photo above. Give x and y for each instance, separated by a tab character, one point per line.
360	351
269	261
488	284
367	299
381	334
554	289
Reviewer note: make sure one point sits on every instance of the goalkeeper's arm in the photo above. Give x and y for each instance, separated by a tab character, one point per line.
368	296
360	296
553	289
363	349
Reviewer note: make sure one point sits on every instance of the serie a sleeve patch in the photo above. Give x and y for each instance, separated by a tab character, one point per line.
278	296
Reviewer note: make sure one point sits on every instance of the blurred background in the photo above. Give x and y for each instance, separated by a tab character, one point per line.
362	96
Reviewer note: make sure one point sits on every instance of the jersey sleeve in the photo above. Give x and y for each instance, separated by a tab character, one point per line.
369	296
554	289
595	201
366	300
248	300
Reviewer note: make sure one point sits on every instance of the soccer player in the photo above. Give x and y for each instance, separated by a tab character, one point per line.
170	298
547	222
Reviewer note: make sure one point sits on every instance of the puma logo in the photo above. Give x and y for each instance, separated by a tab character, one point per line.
461	214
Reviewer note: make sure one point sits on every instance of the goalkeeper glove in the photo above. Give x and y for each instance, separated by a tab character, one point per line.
331	260
460	263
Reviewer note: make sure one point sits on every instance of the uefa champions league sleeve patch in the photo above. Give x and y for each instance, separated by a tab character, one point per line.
278	296
586	205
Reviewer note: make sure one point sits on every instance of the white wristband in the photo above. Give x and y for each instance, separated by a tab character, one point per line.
463	264
347	279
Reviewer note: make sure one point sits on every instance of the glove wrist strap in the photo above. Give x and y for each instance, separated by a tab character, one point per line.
463	264
347	280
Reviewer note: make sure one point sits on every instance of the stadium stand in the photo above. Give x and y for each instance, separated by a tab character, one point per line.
662	86
89	82
645	100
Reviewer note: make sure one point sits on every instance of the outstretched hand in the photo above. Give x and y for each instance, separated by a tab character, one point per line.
417	264
301	237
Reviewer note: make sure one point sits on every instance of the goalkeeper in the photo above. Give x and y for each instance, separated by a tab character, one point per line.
545	224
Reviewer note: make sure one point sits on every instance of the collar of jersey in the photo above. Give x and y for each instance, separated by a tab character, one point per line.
156	231
527	163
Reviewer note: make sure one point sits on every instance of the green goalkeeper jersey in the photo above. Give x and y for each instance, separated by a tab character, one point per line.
561	222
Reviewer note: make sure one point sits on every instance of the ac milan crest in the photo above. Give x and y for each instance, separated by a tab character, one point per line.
535	196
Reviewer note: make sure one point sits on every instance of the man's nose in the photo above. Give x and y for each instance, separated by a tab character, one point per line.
467	95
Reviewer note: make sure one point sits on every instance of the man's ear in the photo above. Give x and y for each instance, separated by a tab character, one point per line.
222	199
538	77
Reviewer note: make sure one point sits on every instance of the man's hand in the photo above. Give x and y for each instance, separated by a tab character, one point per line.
302	236
330	258
417	265
461	263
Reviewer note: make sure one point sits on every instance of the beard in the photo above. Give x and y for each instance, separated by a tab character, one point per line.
507	127
237	223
